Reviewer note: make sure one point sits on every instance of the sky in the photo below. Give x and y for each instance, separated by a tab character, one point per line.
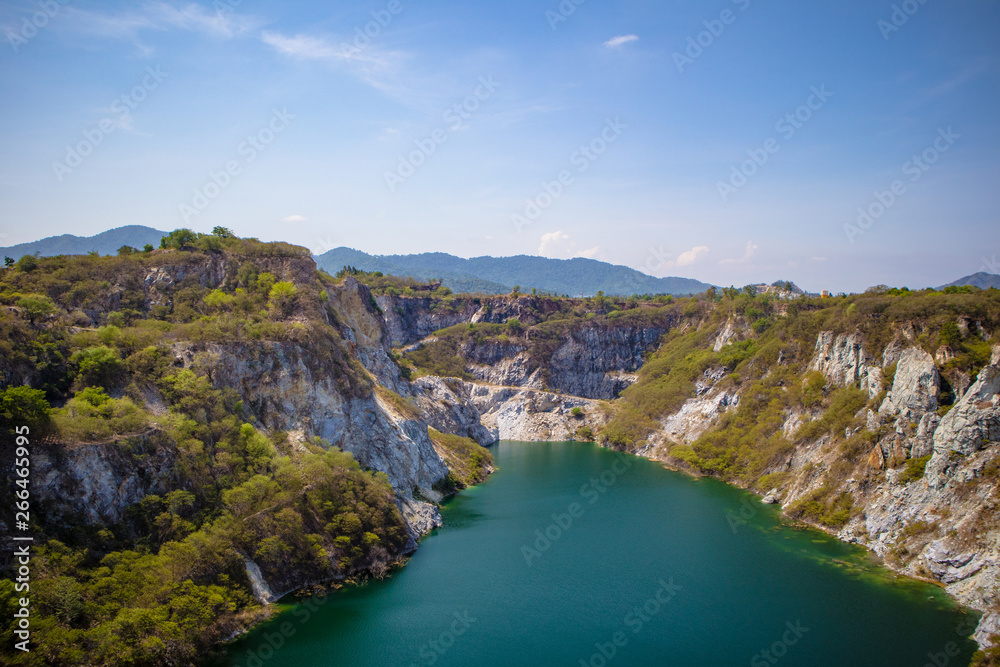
836	143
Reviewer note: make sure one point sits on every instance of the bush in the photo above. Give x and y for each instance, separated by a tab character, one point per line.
914	469
98	366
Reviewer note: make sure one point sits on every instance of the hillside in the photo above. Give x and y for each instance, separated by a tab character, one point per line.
217	423
105	243
981	280
575	277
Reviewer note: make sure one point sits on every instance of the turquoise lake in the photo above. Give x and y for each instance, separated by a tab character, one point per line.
575	555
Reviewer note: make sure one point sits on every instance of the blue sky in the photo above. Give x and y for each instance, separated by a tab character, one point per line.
449	126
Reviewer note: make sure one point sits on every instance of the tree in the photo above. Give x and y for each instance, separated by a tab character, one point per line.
147	248
23	406
516	290
179	239
126	250
282	296
27	264
223	233
98	366
36	306
8	262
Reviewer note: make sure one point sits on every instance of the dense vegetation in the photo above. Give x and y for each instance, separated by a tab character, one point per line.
93	338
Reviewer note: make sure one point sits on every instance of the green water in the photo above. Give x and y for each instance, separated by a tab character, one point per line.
652	568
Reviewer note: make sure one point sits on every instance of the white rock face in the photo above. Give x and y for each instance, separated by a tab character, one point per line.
698	415
732	332
514	413
844	361
968	427
916	386
258	584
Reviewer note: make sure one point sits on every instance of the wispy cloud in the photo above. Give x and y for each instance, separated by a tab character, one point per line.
747	256
378	68
304	47
615	42
159	16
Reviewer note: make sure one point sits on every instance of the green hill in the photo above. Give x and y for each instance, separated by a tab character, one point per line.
105	243
497	275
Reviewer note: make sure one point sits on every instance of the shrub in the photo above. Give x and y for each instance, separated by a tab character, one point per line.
98	366
914	469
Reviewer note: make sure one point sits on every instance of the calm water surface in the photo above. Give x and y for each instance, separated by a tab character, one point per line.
639	566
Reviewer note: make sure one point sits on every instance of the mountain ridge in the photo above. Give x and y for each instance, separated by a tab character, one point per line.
576	277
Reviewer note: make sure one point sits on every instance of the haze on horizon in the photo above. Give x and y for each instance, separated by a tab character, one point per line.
613	131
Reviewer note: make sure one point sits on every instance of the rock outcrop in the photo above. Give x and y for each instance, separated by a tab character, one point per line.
916	386
96	483
515	413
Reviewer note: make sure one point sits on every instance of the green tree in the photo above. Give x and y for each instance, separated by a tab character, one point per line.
148	248
951	335
27	264
223	233
98	366
23	406
8	262
126	250
36	306
179	239
281	297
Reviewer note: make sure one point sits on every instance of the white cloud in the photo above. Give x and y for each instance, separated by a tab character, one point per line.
294	218
559	246
750	252
551	241
691	256
379	69
304	47
620	40
160	16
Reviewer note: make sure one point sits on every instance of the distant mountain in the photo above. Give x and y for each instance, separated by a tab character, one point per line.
498	275
981	280
105	243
